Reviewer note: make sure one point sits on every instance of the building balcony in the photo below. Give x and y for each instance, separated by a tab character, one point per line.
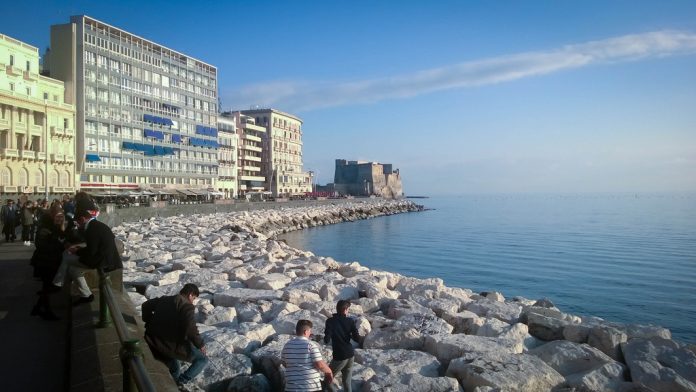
57	157
251	168
4	122
9	153
30	76
13	71
62	189
69	158
55	131
41	156
40	189
252	178
27	154
251	158
253	138
36	129
251	148
69	132
8	189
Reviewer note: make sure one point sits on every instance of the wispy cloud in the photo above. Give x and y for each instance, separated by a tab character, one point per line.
308	95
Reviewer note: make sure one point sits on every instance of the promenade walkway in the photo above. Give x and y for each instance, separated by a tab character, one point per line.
34	351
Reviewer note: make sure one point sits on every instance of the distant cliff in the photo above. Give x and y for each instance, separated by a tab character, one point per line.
360	178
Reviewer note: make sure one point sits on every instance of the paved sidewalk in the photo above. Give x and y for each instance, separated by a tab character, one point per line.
34	356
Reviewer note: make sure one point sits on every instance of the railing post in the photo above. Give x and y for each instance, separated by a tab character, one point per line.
104	314
130	349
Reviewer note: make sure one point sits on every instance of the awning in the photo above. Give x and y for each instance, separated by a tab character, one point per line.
154	134
165	192
186	192
176	139
92	158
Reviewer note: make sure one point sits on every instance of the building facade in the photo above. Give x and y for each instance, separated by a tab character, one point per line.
251	157
228	147
146	114
37	127
284	145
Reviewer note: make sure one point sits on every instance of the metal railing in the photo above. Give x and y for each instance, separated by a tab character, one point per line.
134	373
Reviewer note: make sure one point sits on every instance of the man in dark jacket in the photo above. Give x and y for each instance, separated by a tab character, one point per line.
99	252
171	333
339	329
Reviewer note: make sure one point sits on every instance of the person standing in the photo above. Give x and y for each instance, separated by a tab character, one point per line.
27	220
48	255
171	333
9	215
303	361
339	330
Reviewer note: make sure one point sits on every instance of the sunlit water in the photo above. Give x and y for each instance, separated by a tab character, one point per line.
627	258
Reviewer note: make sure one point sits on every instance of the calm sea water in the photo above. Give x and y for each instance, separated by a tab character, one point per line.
626	258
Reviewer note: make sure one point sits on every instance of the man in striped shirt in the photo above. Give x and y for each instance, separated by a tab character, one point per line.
303	361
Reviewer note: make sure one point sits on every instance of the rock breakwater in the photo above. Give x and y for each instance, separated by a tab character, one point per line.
420	335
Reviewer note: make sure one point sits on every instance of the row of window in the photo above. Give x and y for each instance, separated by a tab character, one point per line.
102	178
12	63
55	178
149	165
145	75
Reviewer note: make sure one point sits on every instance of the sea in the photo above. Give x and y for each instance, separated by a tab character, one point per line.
627	258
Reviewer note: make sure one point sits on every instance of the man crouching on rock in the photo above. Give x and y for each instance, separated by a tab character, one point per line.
303	361
171	333
339	330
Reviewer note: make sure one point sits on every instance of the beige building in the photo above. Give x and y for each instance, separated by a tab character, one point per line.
252	153
284	145
37	128
227	158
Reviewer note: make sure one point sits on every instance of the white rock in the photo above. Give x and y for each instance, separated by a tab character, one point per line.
398	361
285	323
569	358
661	364
505	371
232	297
508	312
447	347
608	340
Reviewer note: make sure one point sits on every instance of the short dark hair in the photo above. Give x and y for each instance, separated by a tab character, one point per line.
342	306
189	288
302	326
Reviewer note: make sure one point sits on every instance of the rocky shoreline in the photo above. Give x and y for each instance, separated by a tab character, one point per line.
420	335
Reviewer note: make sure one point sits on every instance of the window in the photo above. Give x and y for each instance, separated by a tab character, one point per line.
6	176
28	90
65	179
11	86
46	96
38	177
28	66
53	178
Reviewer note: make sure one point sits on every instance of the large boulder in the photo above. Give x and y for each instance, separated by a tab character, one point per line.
546	328
463	322
661	364
609	377
254	383
411	383
426	324
398	361
569	358
448	347
393	337
505	371
236	296
504	311
608	340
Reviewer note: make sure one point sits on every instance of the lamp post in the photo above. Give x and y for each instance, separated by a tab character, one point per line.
45	124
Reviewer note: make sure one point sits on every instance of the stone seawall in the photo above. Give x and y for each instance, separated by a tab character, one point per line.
419	335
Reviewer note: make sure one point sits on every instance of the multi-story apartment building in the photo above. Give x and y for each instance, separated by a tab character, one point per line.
227	157
37	145
284	146
146	114
251	154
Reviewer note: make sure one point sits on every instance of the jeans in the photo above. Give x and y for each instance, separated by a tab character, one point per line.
345	366
198	362
71	265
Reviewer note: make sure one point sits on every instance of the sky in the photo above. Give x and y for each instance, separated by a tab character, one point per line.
463	97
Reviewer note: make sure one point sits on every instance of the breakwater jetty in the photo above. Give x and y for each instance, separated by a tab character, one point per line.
420	335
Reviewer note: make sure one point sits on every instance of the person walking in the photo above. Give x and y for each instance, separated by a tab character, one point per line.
339	329
9	216
171	333
303	361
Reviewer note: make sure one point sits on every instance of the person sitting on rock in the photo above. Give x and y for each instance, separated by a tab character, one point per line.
339	330
171	333
303	361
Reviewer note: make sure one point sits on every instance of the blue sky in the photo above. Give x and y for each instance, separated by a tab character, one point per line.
463	97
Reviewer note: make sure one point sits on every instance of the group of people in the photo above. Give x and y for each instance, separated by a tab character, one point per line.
67	245
28	215
172	335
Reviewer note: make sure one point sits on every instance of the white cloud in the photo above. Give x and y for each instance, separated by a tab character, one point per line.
308	95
